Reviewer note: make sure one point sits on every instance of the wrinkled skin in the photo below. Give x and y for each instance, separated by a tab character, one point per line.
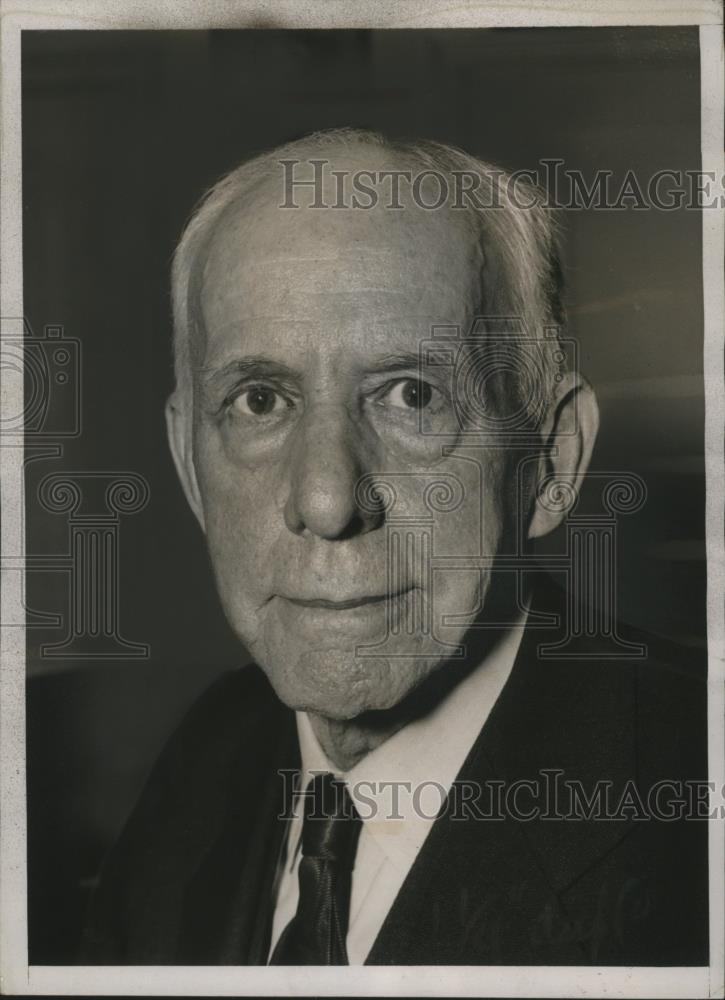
306	380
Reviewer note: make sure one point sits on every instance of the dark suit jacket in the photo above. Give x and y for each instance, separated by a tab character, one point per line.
191	879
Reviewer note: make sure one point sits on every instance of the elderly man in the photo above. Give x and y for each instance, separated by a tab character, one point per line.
369	408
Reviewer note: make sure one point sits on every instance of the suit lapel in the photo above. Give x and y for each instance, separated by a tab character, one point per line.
487	891
471	895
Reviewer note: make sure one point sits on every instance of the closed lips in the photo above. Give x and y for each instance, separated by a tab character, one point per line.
353	602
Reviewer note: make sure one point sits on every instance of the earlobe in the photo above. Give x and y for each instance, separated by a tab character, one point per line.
178	427
570	433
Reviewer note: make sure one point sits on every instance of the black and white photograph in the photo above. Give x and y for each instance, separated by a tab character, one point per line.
362	455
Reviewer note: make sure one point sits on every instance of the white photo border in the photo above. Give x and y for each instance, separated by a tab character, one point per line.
16	976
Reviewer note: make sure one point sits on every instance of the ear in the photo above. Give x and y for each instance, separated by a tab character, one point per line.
179	430
569	433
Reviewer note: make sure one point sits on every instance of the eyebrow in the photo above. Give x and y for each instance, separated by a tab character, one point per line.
253	367
261	367
403	361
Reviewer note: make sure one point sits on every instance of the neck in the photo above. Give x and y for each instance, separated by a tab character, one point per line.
345	742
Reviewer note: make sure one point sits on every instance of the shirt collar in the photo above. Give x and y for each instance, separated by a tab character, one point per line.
420	761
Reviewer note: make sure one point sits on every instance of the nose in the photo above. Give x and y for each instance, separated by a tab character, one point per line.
325	467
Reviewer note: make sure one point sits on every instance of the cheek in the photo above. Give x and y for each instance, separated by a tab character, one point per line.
242	523
467	539
473	522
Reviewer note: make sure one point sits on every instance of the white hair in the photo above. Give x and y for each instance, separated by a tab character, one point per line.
521	276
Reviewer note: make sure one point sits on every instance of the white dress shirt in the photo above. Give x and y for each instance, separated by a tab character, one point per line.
427	756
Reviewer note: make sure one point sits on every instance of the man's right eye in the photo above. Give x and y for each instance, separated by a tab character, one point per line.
258	401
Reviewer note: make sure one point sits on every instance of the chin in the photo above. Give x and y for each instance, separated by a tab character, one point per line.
340	686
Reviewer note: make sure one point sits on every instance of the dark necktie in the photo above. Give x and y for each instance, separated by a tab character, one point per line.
316	934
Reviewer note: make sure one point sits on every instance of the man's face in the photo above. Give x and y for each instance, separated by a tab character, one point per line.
308	380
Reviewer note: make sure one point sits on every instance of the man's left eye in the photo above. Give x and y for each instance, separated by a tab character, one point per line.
409	394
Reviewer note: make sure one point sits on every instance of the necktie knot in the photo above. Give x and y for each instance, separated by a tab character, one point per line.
331	825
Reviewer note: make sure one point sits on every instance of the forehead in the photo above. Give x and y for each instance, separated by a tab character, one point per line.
355	280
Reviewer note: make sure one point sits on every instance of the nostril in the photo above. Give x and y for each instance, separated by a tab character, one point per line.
329	509
355	526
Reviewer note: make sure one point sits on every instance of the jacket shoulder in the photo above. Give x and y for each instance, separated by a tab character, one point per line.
208	762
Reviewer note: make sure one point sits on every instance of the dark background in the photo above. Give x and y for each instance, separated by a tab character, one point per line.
122	132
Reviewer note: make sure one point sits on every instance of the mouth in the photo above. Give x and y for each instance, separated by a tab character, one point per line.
345	605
